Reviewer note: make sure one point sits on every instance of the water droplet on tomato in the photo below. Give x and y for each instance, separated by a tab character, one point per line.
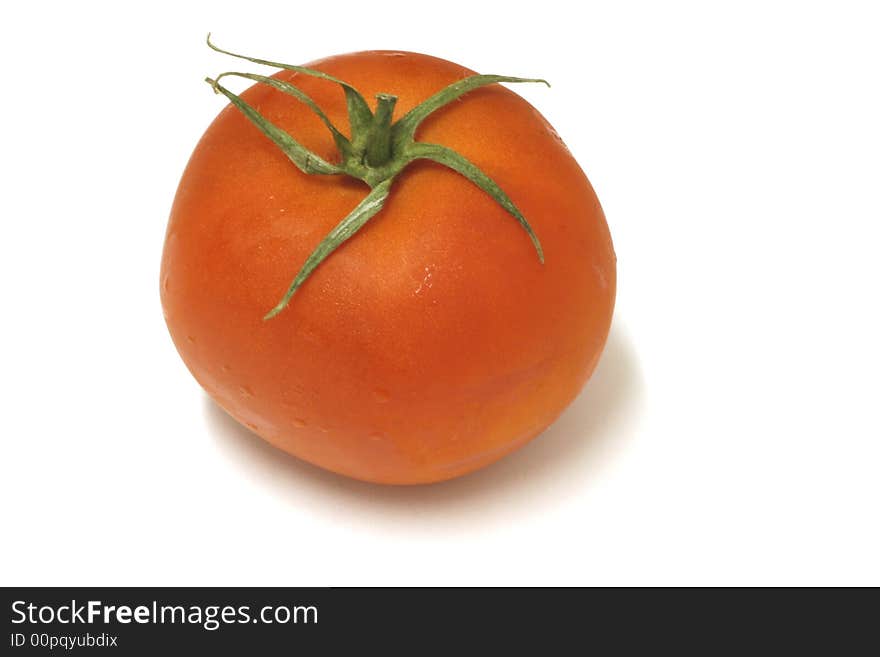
427	281
190	339
246	392
252	426
225	368
299	422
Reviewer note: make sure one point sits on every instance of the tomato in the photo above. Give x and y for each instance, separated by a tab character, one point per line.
432	342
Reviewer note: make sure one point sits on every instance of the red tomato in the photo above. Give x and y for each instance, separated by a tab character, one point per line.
433	341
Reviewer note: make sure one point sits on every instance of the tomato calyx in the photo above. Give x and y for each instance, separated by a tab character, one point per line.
376	151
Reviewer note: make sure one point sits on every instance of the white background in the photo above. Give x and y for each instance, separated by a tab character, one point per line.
729	436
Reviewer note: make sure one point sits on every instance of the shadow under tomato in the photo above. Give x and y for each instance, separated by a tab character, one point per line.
556	464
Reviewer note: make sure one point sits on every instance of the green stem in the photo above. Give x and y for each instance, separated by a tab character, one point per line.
379	141
376	152
365	210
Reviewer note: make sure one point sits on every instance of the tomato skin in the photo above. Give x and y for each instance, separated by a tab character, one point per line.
430	344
